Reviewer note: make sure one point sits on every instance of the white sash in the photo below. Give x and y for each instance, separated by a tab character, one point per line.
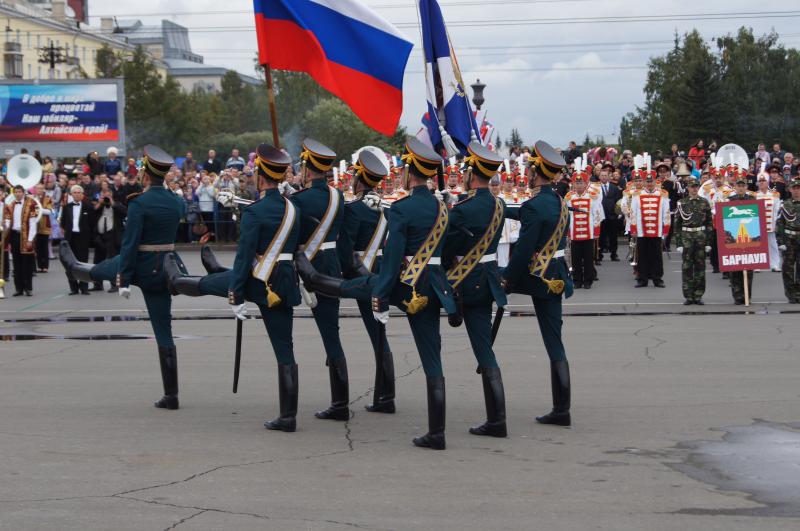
318	236
266	263
375	243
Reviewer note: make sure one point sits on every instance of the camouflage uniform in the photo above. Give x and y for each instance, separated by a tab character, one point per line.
737	277
788	233
692	231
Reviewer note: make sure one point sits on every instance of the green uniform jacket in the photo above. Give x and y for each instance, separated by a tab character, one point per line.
313	203
698	212
410	221
482	285
539	217
153	218
260	222
356	233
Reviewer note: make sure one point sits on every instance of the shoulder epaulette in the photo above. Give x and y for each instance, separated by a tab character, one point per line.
396	201
301	191
133	196
464	200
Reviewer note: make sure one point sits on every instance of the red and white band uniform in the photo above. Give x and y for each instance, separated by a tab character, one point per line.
772	206
650	221
584	229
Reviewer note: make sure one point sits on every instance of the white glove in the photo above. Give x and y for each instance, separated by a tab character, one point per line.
225	198
680	250
708	248
781	247
381	317
125	293
285	188
240	311
438	195
373	201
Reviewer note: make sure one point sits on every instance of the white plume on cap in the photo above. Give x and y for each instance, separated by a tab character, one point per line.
507	165
342	166
637	162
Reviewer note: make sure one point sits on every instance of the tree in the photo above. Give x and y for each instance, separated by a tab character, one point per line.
515	140
107	63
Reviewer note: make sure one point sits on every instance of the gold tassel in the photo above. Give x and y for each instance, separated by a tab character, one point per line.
554	286
416	304
273	299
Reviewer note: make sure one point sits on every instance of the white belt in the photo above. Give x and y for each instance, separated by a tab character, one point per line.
327	246
283	257
693	229
433	261
484	259
362	253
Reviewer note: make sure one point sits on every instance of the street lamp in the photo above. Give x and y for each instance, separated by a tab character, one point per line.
477	94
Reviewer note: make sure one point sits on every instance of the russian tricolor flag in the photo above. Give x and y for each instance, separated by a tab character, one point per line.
347	48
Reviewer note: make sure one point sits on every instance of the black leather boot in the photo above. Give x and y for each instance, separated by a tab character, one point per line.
287	395
315	281
168	358
209	261
340	392
383	395
177	282
434	439
559	381
78	271
495	398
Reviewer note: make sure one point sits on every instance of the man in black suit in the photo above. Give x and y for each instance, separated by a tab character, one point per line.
213	164
77	221
609	228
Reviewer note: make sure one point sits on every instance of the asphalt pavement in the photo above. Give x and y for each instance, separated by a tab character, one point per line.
683	418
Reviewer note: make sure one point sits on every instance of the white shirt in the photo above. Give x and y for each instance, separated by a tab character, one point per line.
76	217
17	219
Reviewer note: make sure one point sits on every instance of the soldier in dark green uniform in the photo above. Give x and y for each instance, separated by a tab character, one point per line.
788	234
411	277
537	268
322	208
262	273
362	234
737	277
472	271
693	225
150	230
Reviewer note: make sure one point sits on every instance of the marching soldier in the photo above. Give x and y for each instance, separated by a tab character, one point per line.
584	229
693	225
153	220
538	269
737	277
650	219
262	273
411	277
322	208
788	232
472	263
363	233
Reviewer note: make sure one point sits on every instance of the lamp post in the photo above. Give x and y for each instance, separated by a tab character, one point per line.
477	94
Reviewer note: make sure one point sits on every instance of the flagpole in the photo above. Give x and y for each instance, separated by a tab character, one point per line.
273	114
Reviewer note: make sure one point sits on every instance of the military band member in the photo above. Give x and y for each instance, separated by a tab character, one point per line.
715	190
650	220
772	207
152	224
788	233
411	277
537	268
322	208
584	229
262	273
472	272
737	277
20	223
363	233
693	225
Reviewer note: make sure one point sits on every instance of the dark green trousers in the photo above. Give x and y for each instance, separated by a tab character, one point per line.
478	322
365	309
424	324
548	313
326	315
159	303
277	321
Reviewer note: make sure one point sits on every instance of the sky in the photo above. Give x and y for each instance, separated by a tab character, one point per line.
555	70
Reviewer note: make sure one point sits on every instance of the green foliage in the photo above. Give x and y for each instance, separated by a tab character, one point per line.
515	140
107	63
744	92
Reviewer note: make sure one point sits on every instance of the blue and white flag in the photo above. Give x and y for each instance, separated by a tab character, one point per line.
450	116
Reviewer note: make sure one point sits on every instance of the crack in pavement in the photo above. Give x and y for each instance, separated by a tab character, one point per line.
59	351
649	349
179	522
